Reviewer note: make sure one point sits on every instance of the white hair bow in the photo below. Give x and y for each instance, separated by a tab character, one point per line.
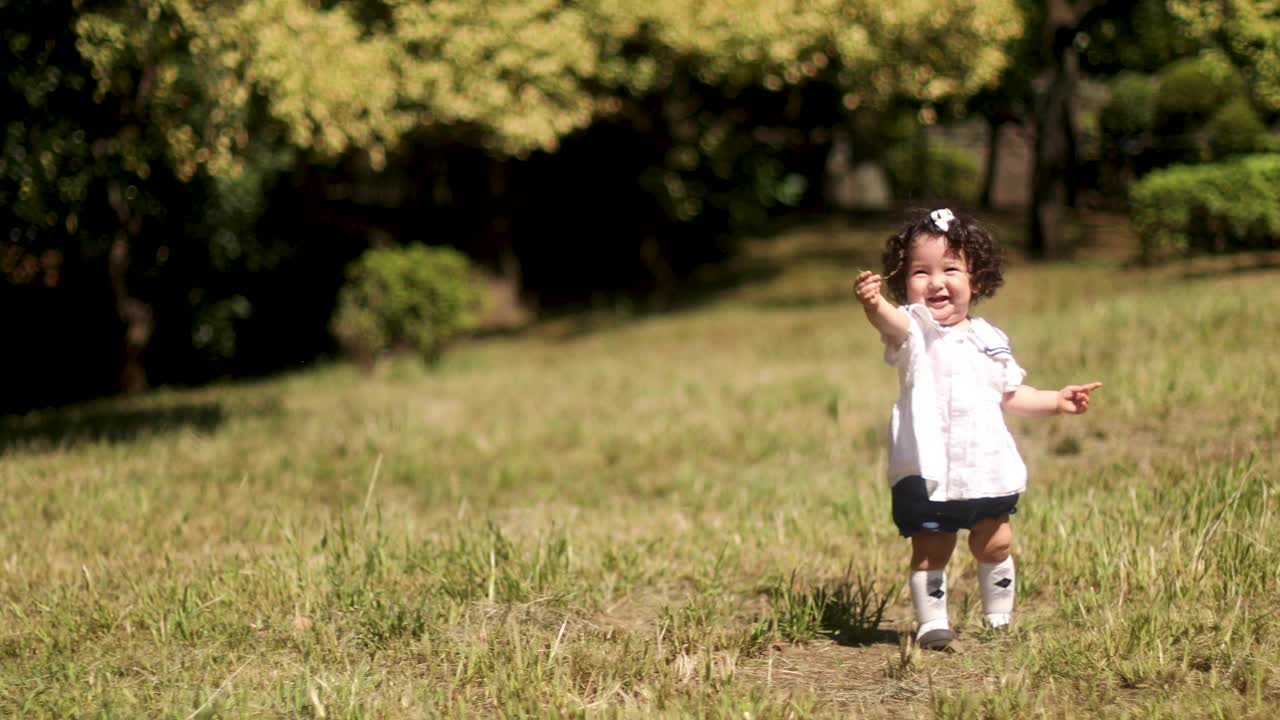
942	218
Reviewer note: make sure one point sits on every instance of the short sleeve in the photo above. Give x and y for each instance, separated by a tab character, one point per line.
995	344
1011	372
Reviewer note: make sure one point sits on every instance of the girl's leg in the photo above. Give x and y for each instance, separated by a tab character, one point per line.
990	541
930	552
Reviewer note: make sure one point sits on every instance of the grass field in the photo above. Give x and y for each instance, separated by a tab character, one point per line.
667	515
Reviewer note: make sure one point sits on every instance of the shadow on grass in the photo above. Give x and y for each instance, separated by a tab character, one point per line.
1229	264
848	610
804	301
878	636
65	428
775	270
848	243
835	243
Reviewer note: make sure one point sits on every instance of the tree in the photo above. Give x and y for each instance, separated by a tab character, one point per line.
1053	174
1075	37
1248	31
1009	100
146	132
143	127
715	90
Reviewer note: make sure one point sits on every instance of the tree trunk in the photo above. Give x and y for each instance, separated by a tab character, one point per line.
1054	174
138	319
663	277
502	245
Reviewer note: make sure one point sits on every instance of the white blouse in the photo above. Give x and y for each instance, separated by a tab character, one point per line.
947	425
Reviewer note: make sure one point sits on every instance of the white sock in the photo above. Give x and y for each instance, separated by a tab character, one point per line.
996	581
929	596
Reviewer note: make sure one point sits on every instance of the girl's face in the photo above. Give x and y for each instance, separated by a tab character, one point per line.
938	278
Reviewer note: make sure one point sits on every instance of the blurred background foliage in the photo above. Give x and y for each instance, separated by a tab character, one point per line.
183	183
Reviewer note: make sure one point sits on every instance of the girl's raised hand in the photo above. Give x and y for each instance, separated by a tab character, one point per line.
867	288
1074	399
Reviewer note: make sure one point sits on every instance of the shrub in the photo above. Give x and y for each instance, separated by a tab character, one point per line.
951	171
1189	209
1125	138
417	297
1193	89
1235	129
1131	109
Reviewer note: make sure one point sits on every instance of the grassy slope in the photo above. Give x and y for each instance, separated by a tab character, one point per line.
651	516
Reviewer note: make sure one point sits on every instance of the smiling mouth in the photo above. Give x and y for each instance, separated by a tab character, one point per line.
938	300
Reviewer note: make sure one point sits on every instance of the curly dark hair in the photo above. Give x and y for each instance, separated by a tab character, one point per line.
972	241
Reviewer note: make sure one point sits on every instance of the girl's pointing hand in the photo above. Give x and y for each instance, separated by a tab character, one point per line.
1074	399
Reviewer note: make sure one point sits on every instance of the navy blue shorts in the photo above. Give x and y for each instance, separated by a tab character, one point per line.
914	512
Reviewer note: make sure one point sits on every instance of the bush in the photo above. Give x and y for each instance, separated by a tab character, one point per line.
1219	207
1131	109
419	298
1193	89
951	171
1235	129
1125	138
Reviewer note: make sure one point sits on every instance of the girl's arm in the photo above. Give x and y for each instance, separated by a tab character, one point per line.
892	324
1030	402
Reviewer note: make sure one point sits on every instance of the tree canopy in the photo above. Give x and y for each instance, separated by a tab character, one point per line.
144	137
1248	31
516	75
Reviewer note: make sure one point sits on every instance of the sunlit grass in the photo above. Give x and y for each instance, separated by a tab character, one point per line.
667	515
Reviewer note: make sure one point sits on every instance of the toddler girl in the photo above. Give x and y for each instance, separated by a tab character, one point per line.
952	462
